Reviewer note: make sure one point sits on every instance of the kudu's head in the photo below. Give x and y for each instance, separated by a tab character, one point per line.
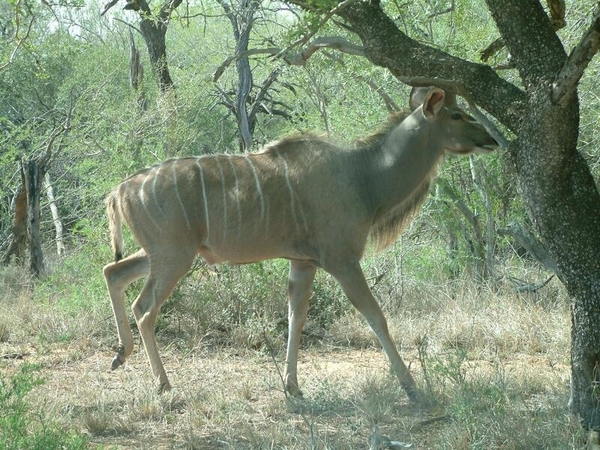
461	133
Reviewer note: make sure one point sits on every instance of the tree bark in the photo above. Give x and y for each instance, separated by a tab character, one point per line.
33	172
242	21
18	243
154	29
559	191
554	180
154	32
136	73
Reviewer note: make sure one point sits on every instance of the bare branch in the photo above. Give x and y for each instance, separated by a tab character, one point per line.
108	6
255	51
492	49
336	42
390	104
19	40
340	7
557	13
226	99
298	59
258	101
444	11
567	79
167	8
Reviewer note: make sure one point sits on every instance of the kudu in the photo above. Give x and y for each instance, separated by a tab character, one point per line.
301	198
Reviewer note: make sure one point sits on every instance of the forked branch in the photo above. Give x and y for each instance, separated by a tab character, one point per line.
567	79
295	59
19	39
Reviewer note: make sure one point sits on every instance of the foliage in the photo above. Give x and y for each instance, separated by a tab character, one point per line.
20	427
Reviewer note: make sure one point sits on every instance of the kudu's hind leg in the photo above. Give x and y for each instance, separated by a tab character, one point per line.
300	282
165	272
118	276
354	285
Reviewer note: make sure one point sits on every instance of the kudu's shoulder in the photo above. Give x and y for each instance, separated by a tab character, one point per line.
297	142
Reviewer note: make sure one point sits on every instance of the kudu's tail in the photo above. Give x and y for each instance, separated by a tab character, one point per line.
115	225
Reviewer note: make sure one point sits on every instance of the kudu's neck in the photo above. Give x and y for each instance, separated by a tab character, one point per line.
404	160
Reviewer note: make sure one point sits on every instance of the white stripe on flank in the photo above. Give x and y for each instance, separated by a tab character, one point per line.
258	187
154	190
205	199
141	192
224	189
187	221
142	197
290	189
237	195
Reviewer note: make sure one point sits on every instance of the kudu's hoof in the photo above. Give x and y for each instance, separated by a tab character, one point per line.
117	361
415	397
295	392
164	387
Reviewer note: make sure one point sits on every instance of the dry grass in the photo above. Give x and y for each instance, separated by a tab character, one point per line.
493	364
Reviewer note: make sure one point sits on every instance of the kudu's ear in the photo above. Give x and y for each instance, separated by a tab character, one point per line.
434	101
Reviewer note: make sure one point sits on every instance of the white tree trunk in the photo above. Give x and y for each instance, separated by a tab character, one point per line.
60	246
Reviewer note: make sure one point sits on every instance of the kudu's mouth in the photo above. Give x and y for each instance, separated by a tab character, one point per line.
478	149
488	148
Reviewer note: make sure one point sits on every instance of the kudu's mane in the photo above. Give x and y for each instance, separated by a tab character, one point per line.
387	226
376	139
370	141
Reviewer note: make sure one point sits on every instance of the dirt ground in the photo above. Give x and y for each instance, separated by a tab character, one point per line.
232	398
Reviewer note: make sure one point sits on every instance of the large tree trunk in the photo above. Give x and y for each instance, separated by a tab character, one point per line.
154	32
556	184
564	204
555	181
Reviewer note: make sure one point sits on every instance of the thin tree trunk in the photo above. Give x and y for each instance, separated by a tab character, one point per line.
473	235
532	246
18	243
479	180
33	171
136	73
60	245
242	20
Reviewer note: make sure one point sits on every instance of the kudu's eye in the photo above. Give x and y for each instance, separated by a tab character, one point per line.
456	116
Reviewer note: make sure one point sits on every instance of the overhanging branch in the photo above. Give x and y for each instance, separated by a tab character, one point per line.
567	79
295	59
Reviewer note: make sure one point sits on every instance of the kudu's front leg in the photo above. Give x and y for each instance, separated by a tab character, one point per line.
300	282
354	285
